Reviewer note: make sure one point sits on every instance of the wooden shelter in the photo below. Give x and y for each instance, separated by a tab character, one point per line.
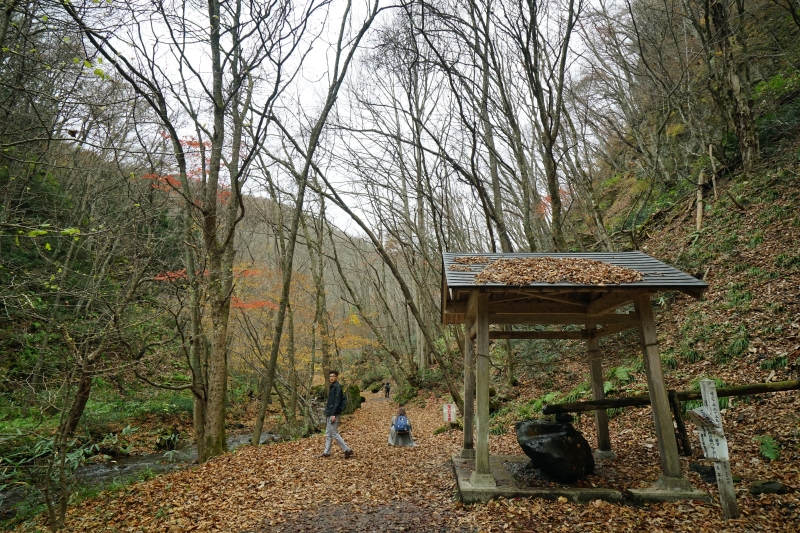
593	306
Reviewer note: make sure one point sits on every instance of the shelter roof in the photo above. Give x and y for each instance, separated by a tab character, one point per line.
459	283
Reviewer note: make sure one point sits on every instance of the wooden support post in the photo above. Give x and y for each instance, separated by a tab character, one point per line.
596	367
481	476
682	437
667	447
468	449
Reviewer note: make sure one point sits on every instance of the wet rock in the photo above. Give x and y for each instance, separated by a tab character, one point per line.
768	487
556	448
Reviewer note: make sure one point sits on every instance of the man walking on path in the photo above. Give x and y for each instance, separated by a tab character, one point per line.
333	409
386	389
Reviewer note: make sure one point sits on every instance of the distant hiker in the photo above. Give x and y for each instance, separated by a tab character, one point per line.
400	431
334	407
386	388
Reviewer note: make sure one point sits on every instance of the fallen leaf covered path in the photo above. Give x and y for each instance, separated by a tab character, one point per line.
285	487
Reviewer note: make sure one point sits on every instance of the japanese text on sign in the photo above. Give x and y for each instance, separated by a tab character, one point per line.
449	410
712	439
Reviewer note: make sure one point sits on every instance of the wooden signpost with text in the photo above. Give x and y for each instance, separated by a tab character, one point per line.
715	447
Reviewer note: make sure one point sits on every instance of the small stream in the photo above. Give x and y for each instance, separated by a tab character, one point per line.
102	474
99	475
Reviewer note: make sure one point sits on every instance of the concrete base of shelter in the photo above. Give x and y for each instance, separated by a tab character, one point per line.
604	455
507	487
668	489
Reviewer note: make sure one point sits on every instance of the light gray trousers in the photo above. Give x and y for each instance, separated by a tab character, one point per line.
332	433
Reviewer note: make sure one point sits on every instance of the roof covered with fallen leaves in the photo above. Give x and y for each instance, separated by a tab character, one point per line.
568	270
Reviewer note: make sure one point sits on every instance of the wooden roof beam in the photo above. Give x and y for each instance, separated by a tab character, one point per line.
612	301
564	318
549	335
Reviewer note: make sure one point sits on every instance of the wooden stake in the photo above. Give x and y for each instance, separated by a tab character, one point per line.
681	436
713	169
701	178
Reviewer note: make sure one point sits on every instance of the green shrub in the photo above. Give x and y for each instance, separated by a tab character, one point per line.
318	391
429	378
405	395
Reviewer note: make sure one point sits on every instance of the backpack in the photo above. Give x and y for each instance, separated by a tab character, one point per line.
344	402
401	425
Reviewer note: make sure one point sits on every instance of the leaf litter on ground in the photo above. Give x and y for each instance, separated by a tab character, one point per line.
285	487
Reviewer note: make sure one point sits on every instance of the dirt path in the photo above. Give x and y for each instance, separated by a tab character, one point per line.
381	488
285	487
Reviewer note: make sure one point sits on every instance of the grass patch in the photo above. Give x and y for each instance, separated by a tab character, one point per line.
453	426
772	214
775	363
104	411
668	360
787	261
740	267
772	329
776	308
737	295
756	239
738	345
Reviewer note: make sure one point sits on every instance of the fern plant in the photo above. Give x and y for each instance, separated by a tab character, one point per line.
768	447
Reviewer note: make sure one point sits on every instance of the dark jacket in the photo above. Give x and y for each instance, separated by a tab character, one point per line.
335	399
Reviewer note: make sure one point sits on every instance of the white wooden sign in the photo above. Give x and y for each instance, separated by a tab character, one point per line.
450	411
712	439
708	419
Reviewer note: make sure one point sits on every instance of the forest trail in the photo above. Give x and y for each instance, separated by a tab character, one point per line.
287	487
